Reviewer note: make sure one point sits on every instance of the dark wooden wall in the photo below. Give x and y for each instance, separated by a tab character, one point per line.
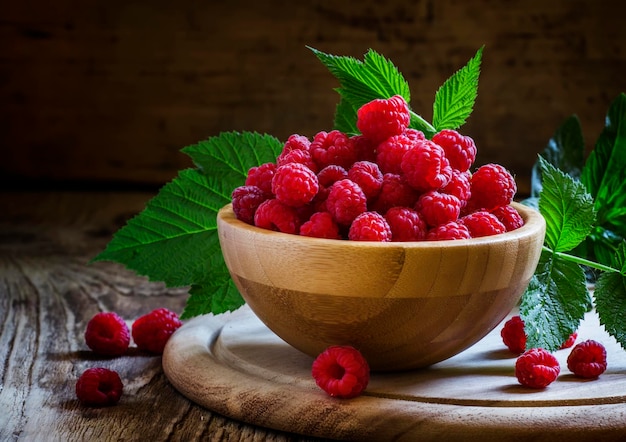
107	93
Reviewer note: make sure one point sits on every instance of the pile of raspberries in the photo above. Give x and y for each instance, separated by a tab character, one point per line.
389	183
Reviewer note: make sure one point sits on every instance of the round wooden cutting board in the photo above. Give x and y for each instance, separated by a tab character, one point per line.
232	364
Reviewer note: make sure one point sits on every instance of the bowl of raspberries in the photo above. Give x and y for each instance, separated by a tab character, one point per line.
387	241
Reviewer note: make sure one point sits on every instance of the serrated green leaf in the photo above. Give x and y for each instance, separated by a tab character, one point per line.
554	303
344	120
610	296
567	208
212	298
454	100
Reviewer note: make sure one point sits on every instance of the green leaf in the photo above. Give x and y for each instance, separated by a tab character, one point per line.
454	100
217	297
565	151
610	296
345	117
567	208
554	303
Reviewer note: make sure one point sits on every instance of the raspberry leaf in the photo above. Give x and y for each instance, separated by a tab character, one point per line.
454	100
610	297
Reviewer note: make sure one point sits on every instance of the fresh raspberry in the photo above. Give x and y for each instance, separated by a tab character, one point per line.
460	150
482	224
438	208
447	231
261	177
98	387
406	224
294	142
274	215
383	118
346	201
341	371
294	184
491	186
297	156
459	186
331	174
152	330
587	359
246	199
570	341
364	147
390	152
370	226
513	335
333	147
320	225
107	334
509	216
536	368
414	134
426	166
395	191
368	176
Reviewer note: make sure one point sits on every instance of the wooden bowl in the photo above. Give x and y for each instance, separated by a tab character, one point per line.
404	305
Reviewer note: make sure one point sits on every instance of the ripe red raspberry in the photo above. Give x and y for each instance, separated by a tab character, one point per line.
458	186
406	224
447	231
482	224
370	226
294	142
587	359
414	134
395	191
364	147
513	335
368	176
261	177
152	330
491	186
426	166
341	371
297	156
390	152
383	118
107	334
438	208
246	199
331	174
333	147
320	225
294	184
509	216
536	368
570	341
98	387
274	215
346	201
460	150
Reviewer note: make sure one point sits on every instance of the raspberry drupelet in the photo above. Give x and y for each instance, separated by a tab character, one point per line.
383	118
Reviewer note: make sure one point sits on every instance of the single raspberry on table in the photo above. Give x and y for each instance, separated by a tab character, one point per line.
345	201
98	387
482	223
587	359
107	334
537	368
368	176
491	186
460	150
395	191
509	216
245	200
406	224
448	231
390	152
438	208
294	184
274	215
513	335
383	118
320	225
334	147
152	330
426	166
341	371
261	177
370	226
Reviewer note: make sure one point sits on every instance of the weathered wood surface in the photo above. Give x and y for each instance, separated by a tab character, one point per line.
48	293
113	91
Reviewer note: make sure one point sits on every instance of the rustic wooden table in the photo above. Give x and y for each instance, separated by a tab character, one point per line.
48	293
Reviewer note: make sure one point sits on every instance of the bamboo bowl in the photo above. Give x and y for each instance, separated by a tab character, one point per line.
403	305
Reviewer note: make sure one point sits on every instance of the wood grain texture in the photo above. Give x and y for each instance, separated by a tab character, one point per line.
112	92
234	365
48	293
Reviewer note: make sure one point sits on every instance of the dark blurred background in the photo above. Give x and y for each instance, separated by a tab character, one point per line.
105	94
